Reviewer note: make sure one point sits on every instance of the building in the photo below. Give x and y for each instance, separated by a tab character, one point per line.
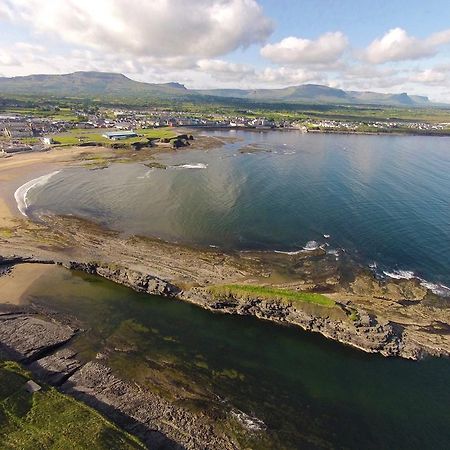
47	141
17	130
119	135
124	126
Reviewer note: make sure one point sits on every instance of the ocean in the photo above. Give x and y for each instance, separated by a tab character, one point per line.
383	199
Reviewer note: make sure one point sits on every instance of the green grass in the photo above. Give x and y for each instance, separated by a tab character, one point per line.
78	136
354	315
50	420
267	292
6	232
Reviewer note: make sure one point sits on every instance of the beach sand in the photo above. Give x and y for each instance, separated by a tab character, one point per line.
14	285
20	168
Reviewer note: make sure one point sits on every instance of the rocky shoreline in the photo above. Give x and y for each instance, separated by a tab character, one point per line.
42	345
393	318
365	330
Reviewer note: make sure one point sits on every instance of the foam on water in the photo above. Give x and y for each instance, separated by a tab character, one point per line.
21	194
191	166
311	246
436	288
289	253
400	274
249	422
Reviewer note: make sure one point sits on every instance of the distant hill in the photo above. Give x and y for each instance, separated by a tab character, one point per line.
103	85
87	84
315	93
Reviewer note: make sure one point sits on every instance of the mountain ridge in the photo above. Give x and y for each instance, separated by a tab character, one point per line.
111	84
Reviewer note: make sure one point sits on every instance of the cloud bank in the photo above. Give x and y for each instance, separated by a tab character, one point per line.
205	43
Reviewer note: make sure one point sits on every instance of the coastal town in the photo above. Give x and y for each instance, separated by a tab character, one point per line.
31	130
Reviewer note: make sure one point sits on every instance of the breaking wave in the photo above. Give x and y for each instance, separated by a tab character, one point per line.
191	166
436	288
249	422
21	194
310	246
400	274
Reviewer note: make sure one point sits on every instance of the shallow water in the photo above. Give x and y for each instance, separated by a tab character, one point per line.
385	199
310	392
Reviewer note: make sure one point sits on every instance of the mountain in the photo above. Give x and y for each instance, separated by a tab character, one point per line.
321	94
104	85
87	84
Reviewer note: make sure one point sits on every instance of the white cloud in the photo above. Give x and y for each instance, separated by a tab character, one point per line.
245	75
5	12
328	48
435	76
224	70
397	45
163	29
286	76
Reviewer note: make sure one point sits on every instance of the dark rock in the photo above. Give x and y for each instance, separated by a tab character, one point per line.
157	422
57	367
27	338
367	333
135	280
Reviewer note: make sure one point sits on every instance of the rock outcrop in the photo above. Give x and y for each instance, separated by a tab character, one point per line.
39	344
157	422
133	279
365	332
28	338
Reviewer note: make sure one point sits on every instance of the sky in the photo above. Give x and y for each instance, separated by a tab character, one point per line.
383	46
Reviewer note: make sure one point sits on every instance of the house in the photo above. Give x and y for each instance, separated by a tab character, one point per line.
47	140
119	135
124	125
16	130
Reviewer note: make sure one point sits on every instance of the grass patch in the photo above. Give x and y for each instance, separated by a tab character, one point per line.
50	420
270	293
6	232
354	315
80	136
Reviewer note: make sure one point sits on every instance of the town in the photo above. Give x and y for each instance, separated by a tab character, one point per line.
30	130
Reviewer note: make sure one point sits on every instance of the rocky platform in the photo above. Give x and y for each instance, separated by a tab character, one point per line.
42	345
398	318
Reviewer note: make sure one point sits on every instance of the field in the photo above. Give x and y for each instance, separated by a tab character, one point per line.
62	113
80	136
48	419
270	293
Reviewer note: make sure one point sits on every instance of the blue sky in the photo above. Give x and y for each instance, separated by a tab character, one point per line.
385	46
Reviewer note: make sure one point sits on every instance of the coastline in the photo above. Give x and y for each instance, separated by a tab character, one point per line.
78	243
287	129
395	318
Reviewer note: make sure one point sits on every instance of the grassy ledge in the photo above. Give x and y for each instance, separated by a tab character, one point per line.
48	419
270	293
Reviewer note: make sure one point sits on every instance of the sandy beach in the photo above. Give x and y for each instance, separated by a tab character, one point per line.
19	168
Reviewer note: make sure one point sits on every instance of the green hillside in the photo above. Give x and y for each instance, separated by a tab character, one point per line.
108	86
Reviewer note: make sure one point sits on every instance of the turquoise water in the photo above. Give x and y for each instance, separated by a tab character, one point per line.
384	199
309	392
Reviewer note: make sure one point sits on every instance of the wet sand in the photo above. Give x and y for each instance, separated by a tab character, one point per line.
15	284
20	168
